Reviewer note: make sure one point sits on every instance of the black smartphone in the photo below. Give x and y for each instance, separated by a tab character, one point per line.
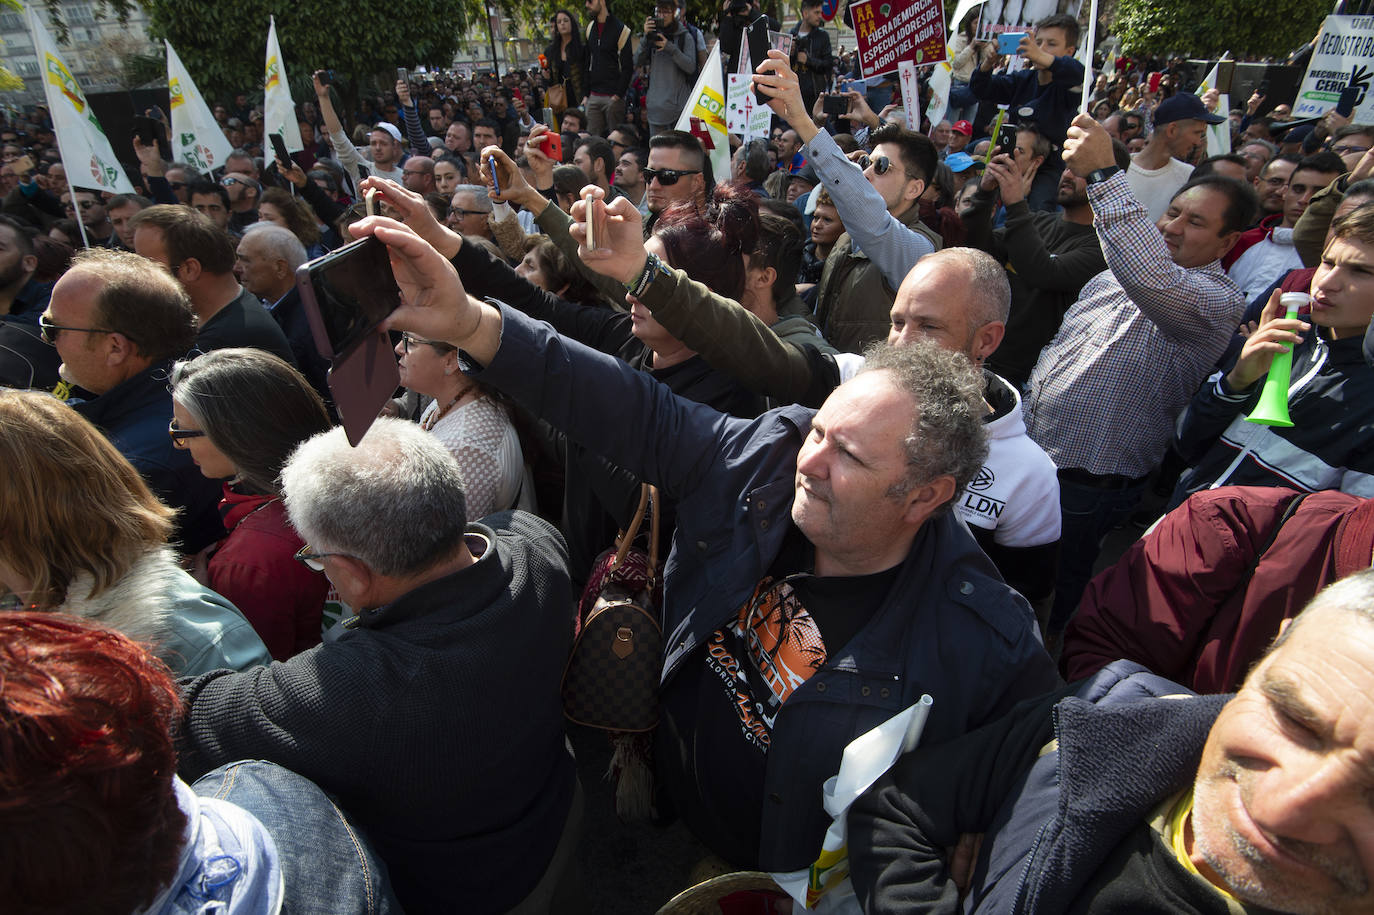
148	130
403	74
835	105
326	77
1006	140
279	147
495	181
347	294
1345	106
759	46
654	26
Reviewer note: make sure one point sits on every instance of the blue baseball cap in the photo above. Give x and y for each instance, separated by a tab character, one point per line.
959	162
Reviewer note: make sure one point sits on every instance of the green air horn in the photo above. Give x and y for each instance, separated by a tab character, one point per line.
1272	409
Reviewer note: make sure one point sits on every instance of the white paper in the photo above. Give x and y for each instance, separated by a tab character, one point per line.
911	94
825	886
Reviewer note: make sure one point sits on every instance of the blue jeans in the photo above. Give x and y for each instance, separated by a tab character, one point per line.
330	868
1088	515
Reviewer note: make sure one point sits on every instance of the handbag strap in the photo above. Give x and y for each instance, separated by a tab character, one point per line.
648	503
1289	511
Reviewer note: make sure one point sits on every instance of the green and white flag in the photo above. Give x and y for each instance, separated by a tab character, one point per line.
1218	135
704	115
196	137
278	111
86	153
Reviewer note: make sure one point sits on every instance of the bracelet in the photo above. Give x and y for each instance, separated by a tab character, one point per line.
652	267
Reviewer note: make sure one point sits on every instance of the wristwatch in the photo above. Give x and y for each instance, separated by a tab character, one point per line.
1102	174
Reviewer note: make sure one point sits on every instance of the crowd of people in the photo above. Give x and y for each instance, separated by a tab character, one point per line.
894	383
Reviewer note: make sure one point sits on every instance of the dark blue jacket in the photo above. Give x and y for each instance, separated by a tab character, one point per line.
950	627
1051	813
1052	106
134	416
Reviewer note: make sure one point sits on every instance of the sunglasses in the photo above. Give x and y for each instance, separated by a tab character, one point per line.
179	435
881	164
49	331
666	177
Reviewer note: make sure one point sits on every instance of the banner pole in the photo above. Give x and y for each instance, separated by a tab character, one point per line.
1088	66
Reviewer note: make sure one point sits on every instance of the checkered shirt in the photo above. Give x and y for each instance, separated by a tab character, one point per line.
1132	350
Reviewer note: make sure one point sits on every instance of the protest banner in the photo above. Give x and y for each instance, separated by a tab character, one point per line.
87	156
888	32
1218	135
196	137
1342	57
911	93
278	111
744	115
704	115
998	16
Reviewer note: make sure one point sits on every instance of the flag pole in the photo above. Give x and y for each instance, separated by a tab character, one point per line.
1088	65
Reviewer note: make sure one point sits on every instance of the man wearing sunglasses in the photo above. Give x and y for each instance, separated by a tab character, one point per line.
244	192
884	234
676	171
94	216
117	321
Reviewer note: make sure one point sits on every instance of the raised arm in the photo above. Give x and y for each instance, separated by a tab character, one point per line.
888	243
1187	305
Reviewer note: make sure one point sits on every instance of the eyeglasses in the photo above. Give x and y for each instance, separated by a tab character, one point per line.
459	211
667	177
176	185
49	331
408	340
312	560
1345	149
179	436
230	182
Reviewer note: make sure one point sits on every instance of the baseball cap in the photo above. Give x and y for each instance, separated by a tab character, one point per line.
959	162
1183	107
389	128
963	127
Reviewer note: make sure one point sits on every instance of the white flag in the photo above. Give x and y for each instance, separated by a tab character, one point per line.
704	115
86	152
1218	135
278	111
196	137
941	81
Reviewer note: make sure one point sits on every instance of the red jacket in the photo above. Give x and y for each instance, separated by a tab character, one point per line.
1177	602
1251	237
255	567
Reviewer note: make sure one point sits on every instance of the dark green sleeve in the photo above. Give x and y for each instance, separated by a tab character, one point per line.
732	340
554	223
1309	235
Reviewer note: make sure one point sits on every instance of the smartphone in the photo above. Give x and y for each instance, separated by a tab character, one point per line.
279	147
591	221
347	294
552	146
148	130
1154	80
1345	106
835	105
546	118
1009	42
326	77
654	33
495	181
759	45
403	74
517	95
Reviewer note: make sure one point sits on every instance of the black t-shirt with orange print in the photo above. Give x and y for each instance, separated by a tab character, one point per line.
720	708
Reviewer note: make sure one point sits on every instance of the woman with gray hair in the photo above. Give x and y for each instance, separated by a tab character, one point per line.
241	413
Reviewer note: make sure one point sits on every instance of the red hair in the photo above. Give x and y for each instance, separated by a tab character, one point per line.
89	820
695	244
